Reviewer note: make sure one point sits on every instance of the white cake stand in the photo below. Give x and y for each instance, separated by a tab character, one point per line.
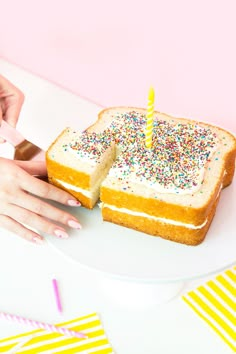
133	259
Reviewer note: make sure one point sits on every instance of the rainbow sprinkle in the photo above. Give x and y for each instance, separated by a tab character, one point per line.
178	155
89	145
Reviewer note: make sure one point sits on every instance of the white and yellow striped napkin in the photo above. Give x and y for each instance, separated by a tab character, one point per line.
43	342
215	302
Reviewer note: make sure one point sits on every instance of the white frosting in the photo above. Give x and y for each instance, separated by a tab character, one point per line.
76	189
175	165
123	172
88	147
164	220
85	156
157	187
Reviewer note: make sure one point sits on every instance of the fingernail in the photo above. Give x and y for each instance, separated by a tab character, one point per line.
61	234
38	240
74	224
73	202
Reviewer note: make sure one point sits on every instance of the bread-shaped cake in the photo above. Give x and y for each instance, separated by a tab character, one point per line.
170	190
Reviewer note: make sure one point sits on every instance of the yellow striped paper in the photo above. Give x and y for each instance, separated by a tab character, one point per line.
44	342
215	302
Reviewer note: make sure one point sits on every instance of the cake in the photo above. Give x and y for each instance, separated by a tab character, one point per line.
170	190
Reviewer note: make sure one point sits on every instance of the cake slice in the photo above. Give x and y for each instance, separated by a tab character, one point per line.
170	190
78	163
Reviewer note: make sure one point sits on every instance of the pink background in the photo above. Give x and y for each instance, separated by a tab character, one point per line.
112	51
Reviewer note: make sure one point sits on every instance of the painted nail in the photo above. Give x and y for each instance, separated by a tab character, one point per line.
74	224
38	240
61	234
73	202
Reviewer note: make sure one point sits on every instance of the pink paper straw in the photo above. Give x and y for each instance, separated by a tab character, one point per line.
57	295
42	325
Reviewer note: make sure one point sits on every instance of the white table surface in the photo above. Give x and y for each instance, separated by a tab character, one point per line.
26	269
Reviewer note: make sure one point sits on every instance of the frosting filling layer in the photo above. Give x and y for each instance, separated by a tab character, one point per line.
89	194
163	220
85	192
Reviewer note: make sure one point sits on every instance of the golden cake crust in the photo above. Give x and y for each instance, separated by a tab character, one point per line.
177	233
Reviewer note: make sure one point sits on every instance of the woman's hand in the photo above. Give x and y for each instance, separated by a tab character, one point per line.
11	100
21	205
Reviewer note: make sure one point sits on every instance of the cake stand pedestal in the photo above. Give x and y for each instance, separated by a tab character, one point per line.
139	295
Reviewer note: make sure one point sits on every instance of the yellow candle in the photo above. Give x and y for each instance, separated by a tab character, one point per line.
149	118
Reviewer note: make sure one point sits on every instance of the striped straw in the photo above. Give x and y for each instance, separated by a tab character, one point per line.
42	325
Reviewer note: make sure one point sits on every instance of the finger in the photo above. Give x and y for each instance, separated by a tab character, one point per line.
15	100
29	218
12	114
33	167
1	139
40	207
19	229
45	190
